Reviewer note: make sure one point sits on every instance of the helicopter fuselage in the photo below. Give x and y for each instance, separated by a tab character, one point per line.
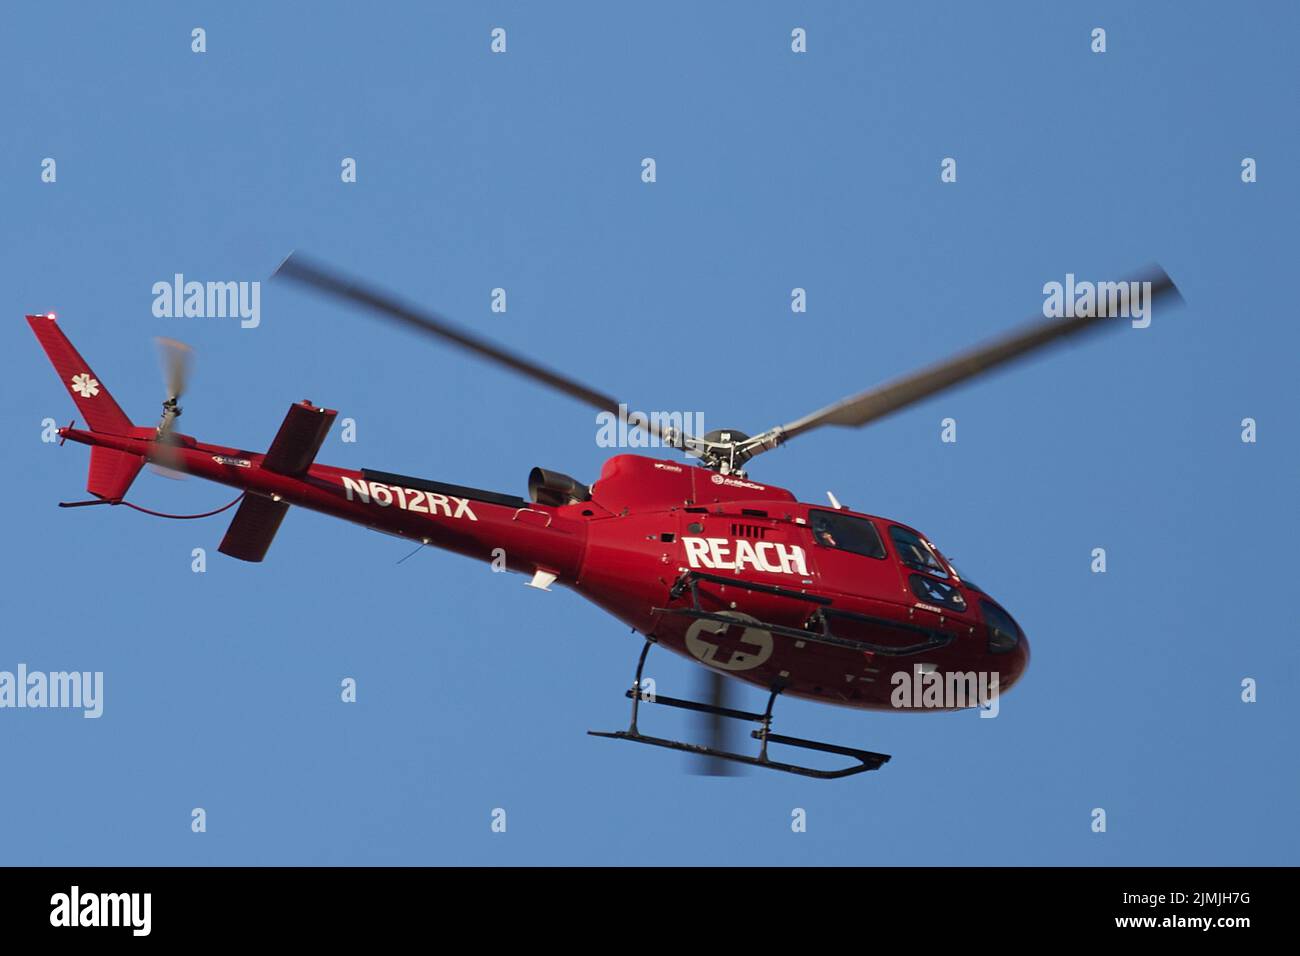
823	603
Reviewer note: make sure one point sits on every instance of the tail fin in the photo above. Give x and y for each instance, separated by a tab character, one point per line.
97	407
111	471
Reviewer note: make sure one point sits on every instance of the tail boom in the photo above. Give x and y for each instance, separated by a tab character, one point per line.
531	538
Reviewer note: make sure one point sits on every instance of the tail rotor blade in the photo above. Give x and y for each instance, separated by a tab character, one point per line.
163	472
177	360
167	451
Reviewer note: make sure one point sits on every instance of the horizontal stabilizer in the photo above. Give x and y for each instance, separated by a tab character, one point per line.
299	439
253	528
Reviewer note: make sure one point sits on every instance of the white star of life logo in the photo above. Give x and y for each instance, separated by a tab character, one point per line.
85	386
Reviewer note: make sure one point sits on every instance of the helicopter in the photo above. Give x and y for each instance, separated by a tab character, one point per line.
806	600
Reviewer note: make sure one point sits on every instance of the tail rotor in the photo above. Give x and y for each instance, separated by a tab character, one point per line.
177	362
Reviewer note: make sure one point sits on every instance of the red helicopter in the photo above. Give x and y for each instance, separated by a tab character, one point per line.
814	601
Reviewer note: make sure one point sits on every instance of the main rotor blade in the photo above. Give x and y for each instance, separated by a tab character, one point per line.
876	403
711	687
296	268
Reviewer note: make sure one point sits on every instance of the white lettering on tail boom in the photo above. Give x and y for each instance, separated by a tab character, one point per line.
723	554
408	499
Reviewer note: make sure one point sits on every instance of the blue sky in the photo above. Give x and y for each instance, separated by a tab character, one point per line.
775	171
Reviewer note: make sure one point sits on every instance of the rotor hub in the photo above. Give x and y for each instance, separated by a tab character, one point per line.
724	450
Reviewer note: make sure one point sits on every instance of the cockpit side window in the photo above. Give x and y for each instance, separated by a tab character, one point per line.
915	553
846	532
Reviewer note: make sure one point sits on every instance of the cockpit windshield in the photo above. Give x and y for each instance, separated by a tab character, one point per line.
915	553
964	580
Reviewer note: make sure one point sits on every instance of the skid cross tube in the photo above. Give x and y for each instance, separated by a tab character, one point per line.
866	759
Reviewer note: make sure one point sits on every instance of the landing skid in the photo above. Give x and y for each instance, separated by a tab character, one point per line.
866	759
